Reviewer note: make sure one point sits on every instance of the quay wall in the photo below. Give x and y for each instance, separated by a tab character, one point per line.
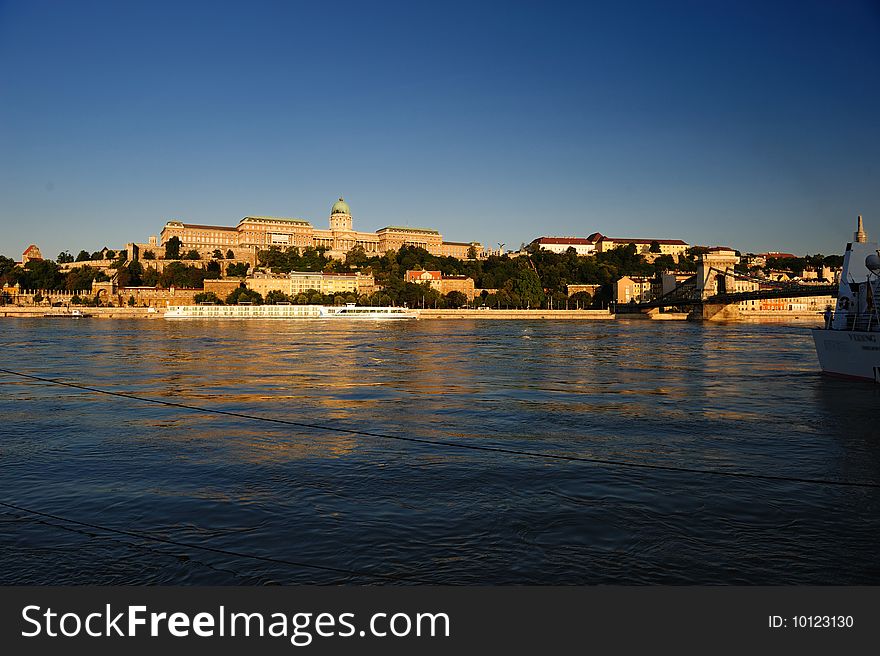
517	314
31	312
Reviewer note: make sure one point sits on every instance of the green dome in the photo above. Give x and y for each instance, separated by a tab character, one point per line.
340	207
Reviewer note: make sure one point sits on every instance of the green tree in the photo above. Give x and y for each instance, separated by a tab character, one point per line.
244	295
213	271
237	270
151	277
192	255
172	249
7	268
472	252
456	299
64	257
83	256
275	296
207	297
217	254
356	257
149	255
131	275
655	247
131	301
178	274
230	255
80	278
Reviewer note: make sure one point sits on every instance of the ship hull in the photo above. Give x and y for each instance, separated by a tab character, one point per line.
850	354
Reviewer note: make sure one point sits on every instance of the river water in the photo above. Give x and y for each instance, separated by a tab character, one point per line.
728	398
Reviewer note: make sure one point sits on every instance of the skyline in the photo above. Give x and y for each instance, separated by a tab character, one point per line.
751	127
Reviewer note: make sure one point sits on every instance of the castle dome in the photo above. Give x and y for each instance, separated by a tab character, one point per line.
340	207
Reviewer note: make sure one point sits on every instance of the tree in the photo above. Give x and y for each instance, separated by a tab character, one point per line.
244	295
275	296
192	255
80	278
172	249
655	247
212	271
237	270
217	254
109	255
38	298
207	297
230	255
149	255
356	257
151	277
131	301
131	275
472	252
178	274
456	299
64	257
83	256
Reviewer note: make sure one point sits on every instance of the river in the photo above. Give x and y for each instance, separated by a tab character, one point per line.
322	506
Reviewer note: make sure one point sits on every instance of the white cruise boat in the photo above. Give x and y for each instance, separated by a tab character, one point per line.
366	313
848	345
350	311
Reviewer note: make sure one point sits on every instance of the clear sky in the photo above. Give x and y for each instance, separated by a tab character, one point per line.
749	124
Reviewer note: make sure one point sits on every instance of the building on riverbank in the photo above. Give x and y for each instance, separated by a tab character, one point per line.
256	233
443	284
301	282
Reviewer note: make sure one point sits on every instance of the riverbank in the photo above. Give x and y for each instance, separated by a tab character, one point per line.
88	312
517	314
27	312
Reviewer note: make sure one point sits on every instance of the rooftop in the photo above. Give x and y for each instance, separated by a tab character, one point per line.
668	242
574	241
409	229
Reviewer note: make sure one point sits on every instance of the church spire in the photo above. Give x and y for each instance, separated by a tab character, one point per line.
860	236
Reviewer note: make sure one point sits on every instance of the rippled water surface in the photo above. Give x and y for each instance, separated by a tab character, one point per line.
727	398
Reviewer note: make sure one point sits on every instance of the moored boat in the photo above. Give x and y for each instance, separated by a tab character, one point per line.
848	345
350	311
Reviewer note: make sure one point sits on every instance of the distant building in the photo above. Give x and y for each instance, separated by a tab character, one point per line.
443	284
639	289
562	244
299	282
31	253
255	233
667	246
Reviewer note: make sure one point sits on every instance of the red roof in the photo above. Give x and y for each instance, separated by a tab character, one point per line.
668	242
209	227
579	241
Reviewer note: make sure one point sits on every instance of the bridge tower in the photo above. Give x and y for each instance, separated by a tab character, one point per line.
710	279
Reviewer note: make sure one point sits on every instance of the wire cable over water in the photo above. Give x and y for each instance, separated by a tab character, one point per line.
448	444
217	550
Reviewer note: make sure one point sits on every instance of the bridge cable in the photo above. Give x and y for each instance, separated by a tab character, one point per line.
217	550
453	445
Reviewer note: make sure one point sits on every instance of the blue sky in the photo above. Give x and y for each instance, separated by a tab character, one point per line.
755	125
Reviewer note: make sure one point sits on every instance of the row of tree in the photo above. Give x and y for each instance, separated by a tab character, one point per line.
414	296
